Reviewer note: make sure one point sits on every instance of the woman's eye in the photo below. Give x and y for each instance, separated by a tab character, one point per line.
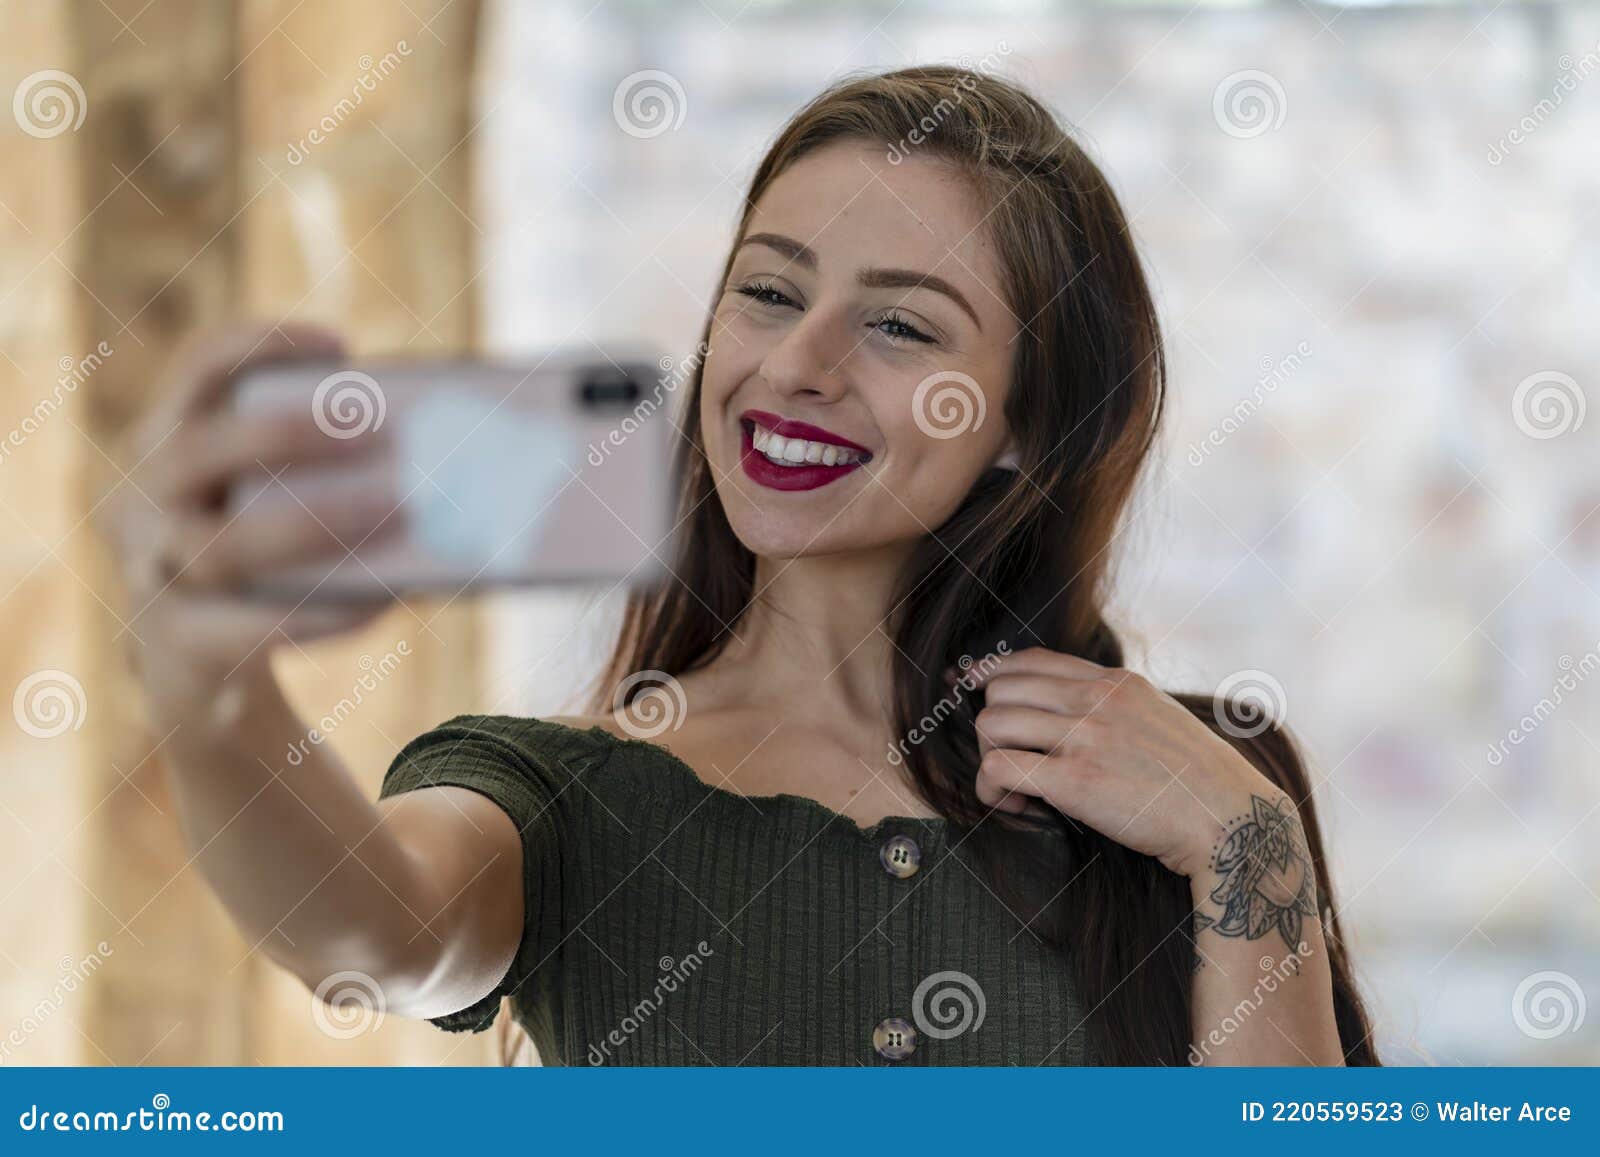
764	292
897	328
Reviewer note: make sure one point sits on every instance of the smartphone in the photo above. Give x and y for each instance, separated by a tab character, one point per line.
553	470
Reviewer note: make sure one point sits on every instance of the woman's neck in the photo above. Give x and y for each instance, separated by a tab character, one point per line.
817	633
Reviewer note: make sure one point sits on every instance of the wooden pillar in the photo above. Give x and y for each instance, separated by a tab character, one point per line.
154	257
198	216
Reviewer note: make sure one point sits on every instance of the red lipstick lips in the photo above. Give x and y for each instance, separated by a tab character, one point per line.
801	476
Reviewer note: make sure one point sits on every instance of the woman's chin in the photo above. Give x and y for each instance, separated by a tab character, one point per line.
783	543
818	538
773	524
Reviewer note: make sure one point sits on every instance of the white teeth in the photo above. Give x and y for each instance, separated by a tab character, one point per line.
794	451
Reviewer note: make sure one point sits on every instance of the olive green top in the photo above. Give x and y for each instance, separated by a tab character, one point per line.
670	922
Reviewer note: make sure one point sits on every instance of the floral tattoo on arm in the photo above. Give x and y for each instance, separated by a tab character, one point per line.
1267	879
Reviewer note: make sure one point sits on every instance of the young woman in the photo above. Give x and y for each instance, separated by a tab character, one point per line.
869	782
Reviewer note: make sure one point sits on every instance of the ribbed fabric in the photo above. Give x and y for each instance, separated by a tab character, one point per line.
670	922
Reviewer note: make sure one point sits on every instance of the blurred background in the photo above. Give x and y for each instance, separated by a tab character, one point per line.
1373	230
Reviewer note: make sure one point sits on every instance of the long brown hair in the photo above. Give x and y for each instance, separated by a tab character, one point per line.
1022	561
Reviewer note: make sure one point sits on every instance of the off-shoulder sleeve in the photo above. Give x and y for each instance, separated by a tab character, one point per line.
504	759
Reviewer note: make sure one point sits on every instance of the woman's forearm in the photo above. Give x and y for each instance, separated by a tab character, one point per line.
296	852
1263	989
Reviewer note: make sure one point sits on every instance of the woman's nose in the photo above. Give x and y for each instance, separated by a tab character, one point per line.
809	361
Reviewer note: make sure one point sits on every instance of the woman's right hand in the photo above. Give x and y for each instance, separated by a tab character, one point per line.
191	627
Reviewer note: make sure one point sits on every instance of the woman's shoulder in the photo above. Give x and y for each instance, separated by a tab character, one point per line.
581	722
591	735
539	732
538	755
573	741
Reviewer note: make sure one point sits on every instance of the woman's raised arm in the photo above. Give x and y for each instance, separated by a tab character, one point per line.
423	892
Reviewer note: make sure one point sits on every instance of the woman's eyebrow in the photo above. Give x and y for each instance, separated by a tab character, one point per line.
787	246
868	278
910	279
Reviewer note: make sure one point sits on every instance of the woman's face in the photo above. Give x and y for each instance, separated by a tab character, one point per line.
862	341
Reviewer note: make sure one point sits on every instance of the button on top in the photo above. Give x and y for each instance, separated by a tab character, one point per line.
900	856
894	1039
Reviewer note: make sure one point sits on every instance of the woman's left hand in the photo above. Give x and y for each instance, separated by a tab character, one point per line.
1108	749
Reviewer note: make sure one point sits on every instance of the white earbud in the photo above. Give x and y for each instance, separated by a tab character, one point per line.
1008	459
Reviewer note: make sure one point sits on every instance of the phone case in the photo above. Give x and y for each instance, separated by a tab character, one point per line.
551	471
